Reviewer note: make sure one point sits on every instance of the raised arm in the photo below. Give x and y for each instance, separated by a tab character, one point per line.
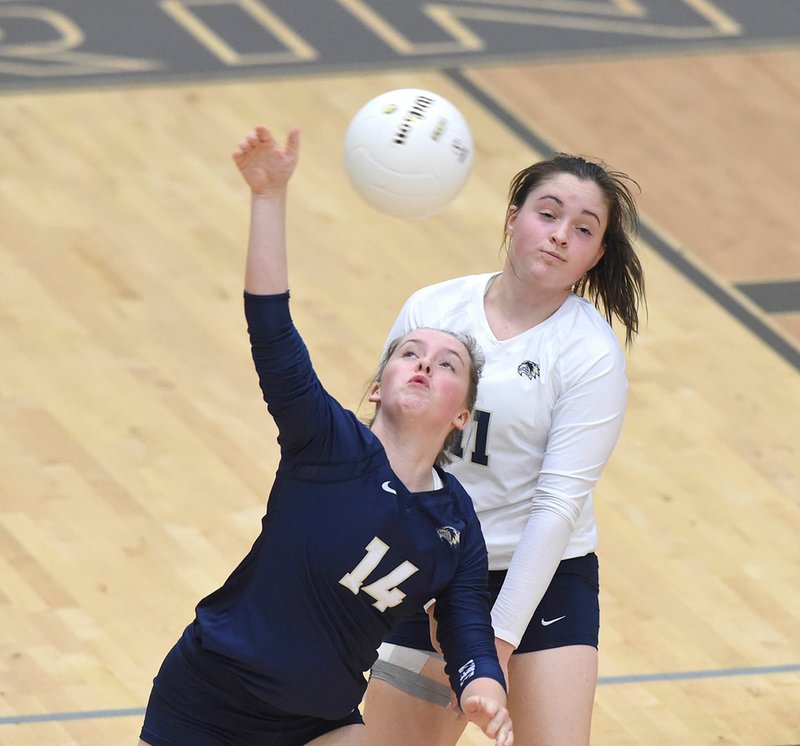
266	168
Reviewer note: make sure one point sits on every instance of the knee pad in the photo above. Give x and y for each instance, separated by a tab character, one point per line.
401	668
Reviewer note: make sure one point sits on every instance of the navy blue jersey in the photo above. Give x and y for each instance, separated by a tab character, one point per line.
345	551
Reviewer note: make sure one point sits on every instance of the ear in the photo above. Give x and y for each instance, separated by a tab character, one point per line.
511	218
461	419
599	256
374	393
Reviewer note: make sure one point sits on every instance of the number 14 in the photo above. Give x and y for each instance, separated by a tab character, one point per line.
384	590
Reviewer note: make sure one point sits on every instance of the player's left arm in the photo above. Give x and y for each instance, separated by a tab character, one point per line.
586	423
463	621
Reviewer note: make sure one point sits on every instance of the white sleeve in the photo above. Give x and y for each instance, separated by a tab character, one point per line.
403	323
535	561
586	423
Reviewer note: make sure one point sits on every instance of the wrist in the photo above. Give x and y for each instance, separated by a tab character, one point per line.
268	194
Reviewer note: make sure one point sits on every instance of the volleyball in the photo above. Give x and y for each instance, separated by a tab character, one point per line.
408	152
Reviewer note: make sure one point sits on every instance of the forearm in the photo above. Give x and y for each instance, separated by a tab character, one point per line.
504	652
532	568
266	268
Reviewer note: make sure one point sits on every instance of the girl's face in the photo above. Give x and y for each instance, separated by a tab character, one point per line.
428	375
556	235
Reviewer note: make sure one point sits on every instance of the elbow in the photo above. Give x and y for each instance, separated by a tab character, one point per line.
567	509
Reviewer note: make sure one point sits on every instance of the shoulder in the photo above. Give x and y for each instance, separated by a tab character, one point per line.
585	347
470	538
459	495
583	326
453	303
451	289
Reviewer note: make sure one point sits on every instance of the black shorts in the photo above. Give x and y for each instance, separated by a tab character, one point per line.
568	614
195	701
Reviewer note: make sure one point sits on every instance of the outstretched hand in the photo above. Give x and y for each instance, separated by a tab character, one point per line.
265	165
491	717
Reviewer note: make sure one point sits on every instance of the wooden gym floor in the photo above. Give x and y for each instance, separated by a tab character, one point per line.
135	452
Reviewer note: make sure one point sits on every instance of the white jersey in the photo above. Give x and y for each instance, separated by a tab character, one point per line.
549	411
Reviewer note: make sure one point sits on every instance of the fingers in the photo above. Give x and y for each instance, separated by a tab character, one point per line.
492	718
293	142
500	728
261	136
252	139
504	735
245	146
265	165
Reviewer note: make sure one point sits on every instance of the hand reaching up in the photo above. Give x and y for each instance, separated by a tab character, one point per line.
267	168
265	165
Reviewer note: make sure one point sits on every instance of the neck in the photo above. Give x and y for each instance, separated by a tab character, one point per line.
411	455
512	307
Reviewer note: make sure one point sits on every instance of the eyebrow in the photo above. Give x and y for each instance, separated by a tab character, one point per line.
560	203
457	354
419	341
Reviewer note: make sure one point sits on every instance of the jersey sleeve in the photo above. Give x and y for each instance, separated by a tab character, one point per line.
586	424
463	617
294	395
409	318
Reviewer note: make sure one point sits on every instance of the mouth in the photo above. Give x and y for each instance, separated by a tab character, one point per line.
420	381
554	255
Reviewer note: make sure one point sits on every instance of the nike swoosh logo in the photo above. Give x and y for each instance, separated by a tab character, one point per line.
386	488
548	622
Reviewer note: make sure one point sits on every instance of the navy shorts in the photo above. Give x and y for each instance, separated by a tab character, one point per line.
568	614
196	701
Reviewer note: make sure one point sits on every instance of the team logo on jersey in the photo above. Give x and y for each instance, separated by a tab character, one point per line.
449	534
529	369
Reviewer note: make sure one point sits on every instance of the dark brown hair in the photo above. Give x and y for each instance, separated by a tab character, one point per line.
616	283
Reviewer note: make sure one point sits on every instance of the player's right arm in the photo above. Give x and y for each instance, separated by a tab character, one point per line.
302	410
286	378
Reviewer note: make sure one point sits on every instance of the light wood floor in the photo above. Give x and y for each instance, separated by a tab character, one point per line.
135	452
